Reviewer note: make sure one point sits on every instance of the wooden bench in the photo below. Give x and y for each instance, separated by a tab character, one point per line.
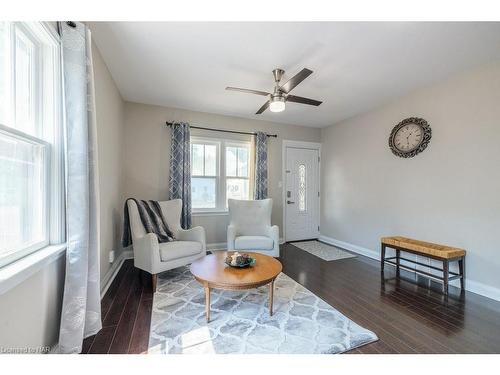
445	254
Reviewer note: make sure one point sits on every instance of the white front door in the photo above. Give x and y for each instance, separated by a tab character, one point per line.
301	193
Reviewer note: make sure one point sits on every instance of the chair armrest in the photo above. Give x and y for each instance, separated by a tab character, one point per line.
147	253
194	234
231	236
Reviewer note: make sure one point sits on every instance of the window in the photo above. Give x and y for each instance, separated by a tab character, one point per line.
220	170
237	172
204	171
31	198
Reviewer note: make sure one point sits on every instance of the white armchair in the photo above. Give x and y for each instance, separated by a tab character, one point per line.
154	257
250	227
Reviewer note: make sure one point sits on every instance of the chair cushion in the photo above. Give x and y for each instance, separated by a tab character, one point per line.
178	249
253	243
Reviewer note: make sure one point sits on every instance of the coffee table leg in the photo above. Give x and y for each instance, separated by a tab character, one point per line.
207	302
271	292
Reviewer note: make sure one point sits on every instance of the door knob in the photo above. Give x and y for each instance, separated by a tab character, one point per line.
290	202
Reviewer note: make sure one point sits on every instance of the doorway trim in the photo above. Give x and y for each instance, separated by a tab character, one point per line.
308	146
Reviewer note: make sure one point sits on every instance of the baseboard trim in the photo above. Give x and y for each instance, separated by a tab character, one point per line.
113	270
129	254
470	285
482	289
348	246
223	245
217	246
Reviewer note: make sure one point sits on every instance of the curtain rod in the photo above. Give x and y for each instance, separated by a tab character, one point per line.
224	131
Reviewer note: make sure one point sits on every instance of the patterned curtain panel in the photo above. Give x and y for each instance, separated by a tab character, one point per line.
81	309
261	166
180	170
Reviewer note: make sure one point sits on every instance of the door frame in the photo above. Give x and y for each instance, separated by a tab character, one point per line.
308	146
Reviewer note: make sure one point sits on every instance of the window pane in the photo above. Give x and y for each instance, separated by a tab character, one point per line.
202	192
231	161
5	93
242	162
210	160
302	187
237	188
197	160
21	195
25	103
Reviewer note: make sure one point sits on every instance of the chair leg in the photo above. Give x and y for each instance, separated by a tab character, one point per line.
154	280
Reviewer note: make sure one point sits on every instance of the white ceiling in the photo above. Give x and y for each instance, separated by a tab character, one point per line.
357	66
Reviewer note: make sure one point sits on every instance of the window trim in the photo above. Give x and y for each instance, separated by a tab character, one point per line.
48	42
58	178
221	201
15	273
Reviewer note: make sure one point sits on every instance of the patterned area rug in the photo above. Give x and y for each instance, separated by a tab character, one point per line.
323	251
240	322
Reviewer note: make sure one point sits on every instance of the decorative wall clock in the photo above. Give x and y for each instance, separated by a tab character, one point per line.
410	137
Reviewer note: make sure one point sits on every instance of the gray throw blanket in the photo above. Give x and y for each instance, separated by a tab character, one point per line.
152	220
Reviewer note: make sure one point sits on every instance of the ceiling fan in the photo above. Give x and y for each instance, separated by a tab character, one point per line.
277	99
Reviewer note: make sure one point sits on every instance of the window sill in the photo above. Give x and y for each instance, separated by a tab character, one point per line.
211	213
15	273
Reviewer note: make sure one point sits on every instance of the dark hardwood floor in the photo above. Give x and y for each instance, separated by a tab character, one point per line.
126	314
407	315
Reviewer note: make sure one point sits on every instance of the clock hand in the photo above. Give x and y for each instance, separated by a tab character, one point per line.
407	140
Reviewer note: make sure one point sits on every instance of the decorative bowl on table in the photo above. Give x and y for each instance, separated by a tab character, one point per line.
238	260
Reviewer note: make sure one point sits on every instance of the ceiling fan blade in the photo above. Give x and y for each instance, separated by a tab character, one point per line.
248	91
263	108
295	80
301	100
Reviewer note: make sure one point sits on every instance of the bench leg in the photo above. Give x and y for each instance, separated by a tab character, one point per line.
382	258
461	270
446	274
398	255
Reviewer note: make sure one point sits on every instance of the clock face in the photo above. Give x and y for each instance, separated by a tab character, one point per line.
408	137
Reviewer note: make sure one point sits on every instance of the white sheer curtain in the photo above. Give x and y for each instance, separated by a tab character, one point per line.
81	310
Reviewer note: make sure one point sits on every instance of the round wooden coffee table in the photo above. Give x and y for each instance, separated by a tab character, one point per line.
212	272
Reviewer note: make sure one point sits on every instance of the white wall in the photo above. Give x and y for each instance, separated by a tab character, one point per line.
448	194
30	312
147	149
110	138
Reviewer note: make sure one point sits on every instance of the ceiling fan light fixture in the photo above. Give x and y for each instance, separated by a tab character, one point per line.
277	104
276	101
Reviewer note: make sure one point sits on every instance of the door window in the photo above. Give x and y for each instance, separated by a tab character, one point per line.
302	187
